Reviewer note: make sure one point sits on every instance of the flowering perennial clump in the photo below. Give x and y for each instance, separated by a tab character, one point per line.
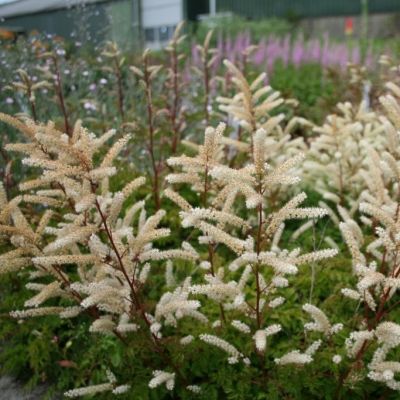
203	266
376	265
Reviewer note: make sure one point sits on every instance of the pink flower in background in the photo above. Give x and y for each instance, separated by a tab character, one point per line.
314	50
220	51
325	56
229	50
288	50
356	56
260	55
187	75
369	59
195	55
298	52
273	52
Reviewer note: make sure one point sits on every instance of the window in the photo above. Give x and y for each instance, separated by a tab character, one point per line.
163	33
150	34
159	35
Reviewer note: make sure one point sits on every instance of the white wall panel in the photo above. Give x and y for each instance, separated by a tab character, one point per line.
161	12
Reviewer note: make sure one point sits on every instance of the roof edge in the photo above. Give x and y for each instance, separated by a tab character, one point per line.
27	7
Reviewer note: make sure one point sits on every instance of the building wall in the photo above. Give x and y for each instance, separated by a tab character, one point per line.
90	23
379	25
123	21
63	22
161	12
303	8
128	21
159	19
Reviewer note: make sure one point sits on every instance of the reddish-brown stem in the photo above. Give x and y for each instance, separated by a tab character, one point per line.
206	87
211	251
175	99
118	75
258	296
134	295
150	147
380	314
60	94
31	102
211	248
258	249
205	191
345	375
92	311
339	162
6	174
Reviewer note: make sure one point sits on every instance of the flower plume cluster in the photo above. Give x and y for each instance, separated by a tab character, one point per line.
375	262
215	263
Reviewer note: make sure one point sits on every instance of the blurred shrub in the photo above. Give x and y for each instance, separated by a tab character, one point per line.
231	26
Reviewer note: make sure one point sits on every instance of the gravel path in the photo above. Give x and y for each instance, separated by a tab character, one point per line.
12	390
